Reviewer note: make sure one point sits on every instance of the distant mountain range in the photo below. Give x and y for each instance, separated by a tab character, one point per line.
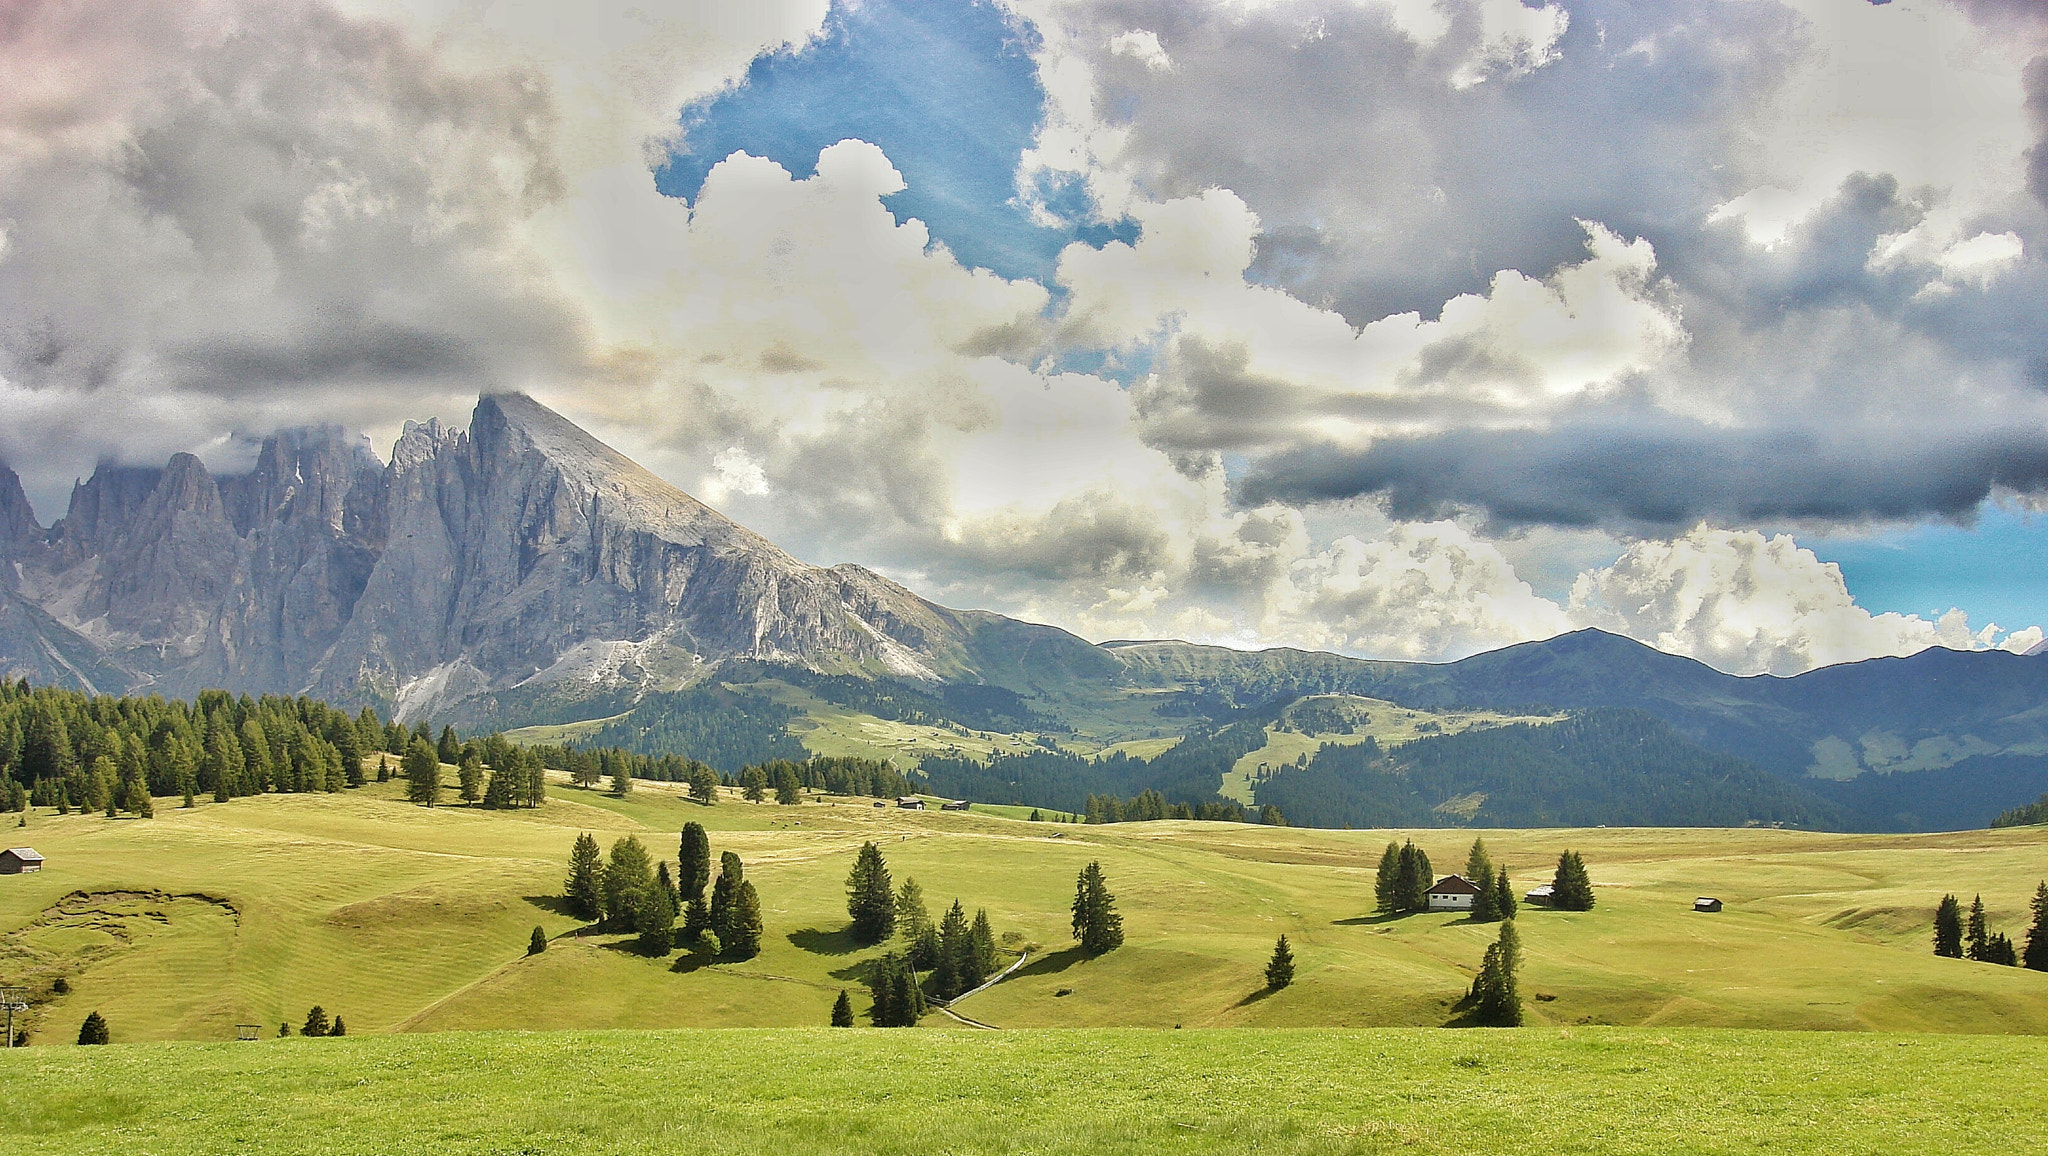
523	572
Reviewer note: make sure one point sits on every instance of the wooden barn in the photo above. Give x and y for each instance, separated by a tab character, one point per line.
955	805
1706	903
20	861
1543	896
910	802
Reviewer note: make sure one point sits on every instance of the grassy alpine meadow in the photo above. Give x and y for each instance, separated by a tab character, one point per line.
815	1090
403	918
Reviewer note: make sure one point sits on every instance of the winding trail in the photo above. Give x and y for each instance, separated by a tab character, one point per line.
947	1006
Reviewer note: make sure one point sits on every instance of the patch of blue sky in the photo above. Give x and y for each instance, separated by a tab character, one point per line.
1996	569
947	90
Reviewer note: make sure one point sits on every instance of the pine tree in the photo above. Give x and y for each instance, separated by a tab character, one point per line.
1280	969
1948	928
654	917
1386	884
1413	878
723	893
1976	936
1035	816
982	939
912	918
906	998
501	788
1496	994
693	866
622	779
584	888
1571	888
2034	956
956	949
754	785
470	774
422	769
538	943
449	749
664	884
316	1022
1096	922
1478	867
881	987
2000	951
1504	903
870	897
94	1030
626	874
704	784
925	953
743	940
696	918
842	1011
788	792
339	1028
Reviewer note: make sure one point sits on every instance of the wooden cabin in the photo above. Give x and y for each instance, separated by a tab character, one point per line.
1706	903
20	861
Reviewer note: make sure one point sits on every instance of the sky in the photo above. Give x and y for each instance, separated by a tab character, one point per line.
1401	328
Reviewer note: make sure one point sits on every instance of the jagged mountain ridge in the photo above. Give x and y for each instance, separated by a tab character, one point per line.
516	561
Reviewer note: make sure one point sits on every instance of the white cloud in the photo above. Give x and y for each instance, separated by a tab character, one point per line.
1143	47
1748	604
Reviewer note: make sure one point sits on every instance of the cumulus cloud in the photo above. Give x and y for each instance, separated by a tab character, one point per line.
1748	604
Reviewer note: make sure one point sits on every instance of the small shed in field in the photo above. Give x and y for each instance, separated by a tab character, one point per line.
910	802
1706	903
1452	893
20	861
1541	896
955	805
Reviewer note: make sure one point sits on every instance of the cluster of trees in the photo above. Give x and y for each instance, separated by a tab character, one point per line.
494	773
1401	886
1151	804
1571	889
1096	922
1960	937
627	891
956	954
2024	816
1496	898
892	985
316	1025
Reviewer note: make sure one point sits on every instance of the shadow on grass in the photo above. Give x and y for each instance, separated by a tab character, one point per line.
552	904
824	942
1254	997
1368	920
1052	962
694	960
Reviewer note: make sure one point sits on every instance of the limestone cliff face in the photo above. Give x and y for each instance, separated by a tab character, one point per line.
520	560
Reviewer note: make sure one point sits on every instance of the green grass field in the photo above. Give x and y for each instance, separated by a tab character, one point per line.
795	1093
404	918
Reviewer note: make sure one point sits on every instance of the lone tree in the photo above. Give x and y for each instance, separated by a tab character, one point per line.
2034	956
870	898
1280	968
584	889
316	1022
1571	889
842	1011
538	943
1497	1000
1976	936
1948	928
1096	923
422	774
704	784
93	1030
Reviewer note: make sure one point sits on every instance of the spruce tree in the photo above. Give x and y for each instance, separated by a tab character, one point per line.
956	950
584	889
1478	866
1280	968
842	1011
626	874
500	789
1496	994
1414	877
723	894
1096	922
982	939
2000	951
1504	902
1976	936
870	897
693	867
538	943
622	779
754	785
449	750
654	917
2034	956
1571	888
696	918
743	940
905	997
470	775
664	884
912	918
422	769
704	784
1948	928
316	1022
925	952
339	1028
1386	884
788	792
881	989
94	1030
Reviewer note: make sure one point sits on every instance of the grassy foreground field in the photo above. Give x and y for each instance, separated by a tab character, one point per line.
402	918
791	1093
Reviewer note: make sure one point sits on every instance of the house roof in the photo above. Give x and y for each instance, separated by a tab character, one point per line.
1454	885
25	853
